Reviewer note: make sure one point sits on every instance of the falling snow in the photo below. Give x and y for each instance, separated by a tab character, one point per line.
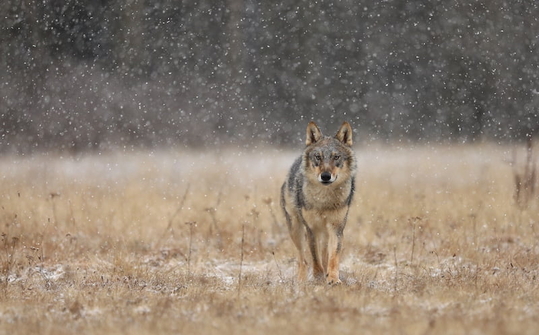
93	76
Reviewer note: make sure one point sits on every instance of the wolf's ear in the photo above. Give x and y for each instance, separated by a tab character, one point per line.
313	133
344	134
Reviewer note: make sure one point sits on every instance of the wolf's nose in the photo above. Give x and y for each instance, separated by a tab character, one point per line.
325	176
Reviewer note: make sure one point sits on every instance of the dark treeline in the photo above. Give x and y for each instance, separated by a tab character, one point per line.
94	75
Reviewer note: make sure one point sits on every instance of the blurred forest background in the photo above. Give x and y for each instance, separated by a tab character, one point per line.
87	75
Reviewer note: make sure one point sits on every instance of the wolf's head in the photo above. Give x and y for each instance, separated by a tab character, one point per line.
329	160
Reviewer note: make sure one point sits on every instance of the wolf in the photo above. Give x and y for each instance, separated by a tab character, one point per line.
316	198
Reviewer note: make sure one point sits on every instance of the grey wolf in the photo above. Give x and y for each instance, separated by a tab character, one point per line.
316	198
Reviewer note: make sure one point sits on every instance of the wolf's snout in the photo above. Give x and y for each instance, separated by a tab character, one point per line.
325	177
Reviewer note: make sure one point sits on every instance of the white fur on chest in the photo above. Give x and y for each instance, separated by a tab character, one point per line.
324	198
321	220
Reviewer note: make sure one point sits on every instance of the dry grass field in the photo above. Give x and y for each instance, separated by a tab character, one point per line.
195	243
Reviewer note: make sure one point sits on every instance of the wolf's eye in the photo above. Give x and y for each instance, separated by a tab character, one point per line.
318	157
336	157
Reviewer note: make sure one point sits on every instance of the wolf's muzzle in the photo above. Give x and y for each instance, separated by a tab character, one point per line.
325	178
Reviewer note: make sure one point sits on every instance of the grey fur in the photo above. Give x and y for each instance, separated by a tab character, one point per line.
325	202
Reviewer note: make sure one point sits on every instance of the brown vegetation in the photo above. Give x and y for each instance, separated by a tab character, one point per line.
194	243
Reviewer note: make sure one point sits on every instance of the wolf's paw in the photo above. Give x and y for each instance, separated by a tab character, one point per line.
333	281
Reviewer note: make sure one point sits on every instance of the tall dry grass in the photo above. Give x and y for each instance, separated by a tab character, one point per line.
194	243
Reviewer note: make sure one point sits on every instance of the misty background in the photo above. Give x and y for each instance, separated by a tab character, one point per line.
89	75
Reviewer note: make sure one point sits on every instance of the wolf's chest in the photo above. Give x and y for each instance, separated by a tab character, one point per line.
326	198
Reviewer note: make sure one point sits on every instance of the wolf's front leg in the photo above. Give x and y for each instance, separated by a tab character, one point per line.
334	253
318	270
297	232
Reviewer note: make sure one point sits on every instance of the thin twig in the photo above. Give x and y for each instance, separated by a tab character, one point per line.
54	195
212	211
413	243
191	225
278	267
178	210
413	221
396	270
241	258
